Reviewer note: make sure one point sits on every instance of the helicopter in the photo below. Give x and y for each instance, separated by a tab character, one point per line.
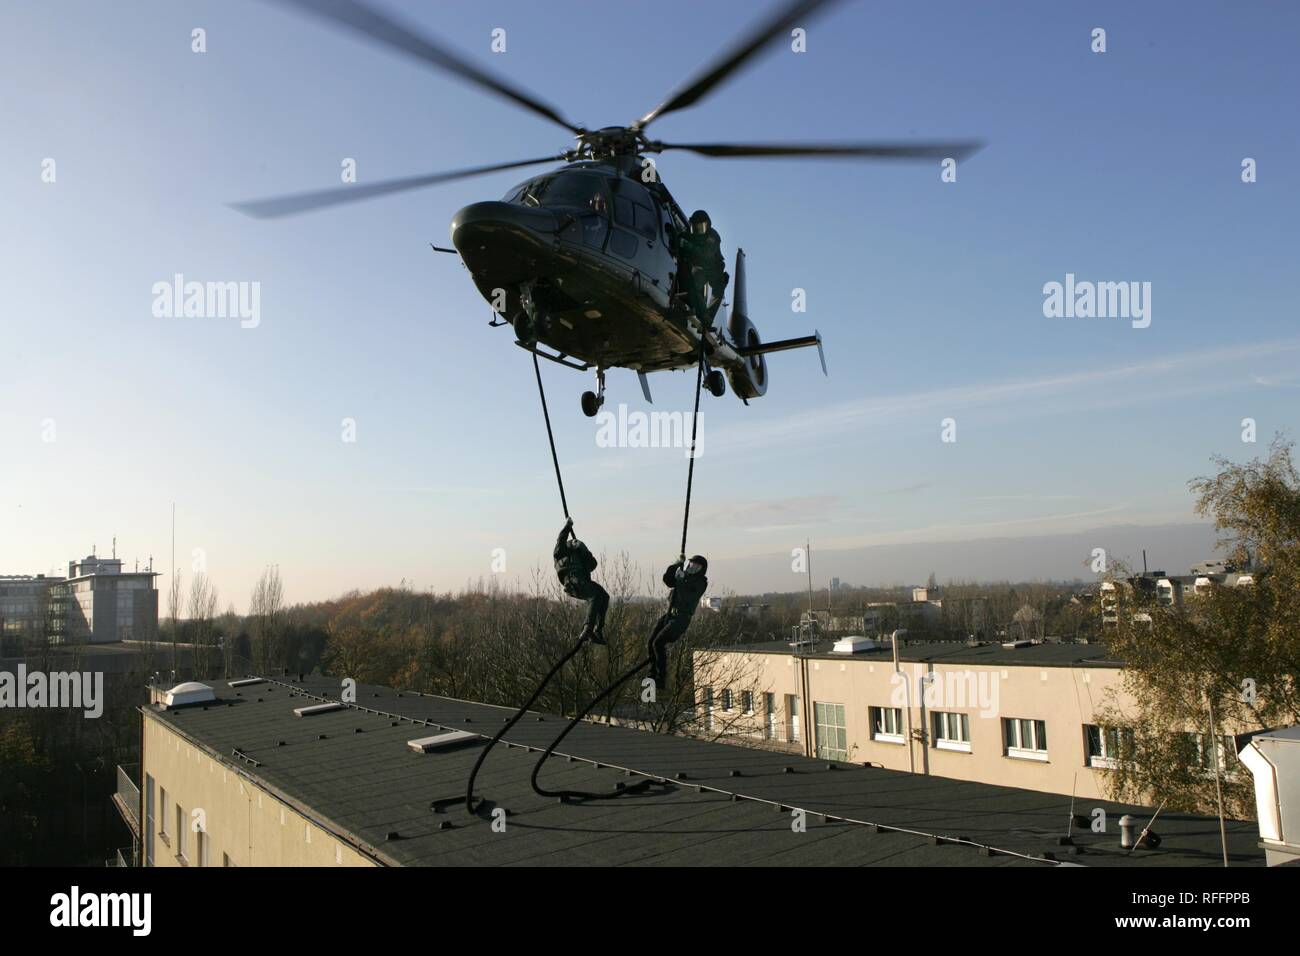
582	261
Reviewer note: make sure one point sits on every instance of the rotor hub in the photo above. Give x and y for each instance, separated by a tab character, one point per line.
608	143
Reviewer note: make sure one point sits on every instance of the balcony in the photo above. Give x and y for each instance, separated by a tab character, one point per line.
127	796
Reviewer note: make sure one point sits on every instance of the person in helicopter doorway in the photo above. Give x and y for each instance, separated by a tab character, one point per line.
573	565
688	583
700	252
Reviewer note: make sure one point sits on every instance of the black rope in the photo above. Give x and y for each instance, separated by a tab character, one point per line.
580	794
686	517
555	460
469	788
690	470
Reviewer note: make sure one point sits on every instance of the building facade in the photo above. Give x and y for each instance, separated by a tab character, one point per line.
31	608
97	603
105	604
1023	714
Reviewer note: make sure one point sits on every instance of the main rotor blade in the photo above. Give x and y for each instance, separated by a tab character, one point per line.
278	206
790	15
361	18
957	150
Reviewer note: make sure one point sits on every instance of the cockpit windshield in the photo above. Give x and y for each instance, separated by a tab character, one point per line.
584	191
576	190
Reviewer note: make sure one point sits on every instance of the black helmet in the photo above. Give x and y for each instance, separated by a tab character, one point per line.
698	217
700	561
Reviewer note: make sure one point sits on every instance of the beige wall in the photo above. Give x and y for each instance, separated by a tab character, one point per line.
240	818
1065	698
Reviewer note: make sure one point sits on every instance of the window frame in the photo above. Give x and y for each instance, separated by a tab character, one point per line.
943	721
1013	744
824	728
879	729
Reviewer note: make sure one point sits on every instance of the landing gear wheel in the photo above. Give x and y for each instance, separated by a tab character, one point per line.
716	383
591	401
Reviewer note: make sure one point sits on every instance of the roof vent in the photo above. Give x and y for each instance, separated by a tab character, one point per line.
1273	757
313	709
854	644
1012	645
190	692
246	681
441	741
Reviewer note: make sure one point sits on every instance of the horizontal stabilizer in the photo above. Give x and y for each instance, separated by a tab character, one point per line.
784	345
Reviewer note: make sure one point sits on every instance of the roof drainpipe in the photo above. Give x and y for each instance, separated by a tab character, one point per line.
805	691
907	689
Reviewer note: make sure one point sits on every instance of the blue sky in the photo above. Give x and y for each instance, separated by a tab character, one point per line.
1122	166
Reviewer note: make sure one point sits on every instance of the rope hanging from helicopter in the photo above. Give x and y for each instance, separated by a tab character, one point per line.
644	663
471	805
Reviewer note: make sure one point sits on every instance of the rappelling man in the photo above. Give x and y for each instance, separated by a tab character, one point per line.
574	563
687	581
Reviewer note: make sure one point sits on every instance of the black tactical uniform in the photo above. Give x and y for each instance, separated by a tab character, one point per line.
573	565
700	251
688	585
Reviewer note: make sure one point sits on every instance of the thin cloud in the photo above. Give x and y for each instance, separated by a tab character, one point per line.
1028	394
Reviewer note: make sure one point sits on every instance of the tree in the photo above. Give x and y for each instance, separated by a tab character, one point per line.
203	612
264	611
1218	663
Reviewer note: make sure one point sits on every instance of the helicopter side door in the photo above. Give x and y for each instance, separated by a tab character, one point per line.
636	237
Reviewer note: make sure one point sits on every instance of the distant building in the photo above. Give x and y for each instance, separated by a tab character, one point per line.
27	608
1172	590
106	604
97	603
835	584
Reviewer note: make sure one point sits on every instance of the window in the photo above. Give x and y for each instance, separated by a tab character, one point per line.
581	190
180	833
162	816
708	708
887	724
1104	745
769	704
726	699
531	192
1198	748
203	842
646	222
623	214
952	731
832	738
747	702
1026	739
622	243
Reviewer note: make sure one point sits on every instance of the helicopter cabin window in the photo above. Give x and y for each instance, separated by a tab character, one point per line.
531	195
635	210
623	214
576	190
645	222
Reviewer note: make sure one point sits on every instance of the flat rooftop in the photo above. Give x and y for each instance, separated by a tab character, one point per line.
1047	654
351	770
